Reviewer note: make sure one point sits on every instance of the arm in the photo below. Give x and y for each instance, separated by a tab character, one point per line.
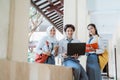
61	50
40	45
101	47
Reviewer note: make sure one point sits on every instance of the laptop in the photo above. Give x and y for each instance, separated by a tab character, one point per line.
76	48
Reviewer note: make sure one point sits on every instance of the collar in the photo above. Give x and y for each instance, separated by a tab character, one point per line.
68	39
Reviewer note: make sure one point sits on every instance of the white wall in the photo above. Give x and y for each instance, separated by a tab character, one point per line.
105	14
100	5
4	26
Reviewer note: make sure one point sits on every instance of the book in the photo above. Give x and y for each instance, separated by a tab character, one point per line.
93	45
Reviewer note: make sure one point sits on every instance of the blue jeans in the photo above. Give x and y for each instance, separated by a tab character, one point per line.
92	67
78	71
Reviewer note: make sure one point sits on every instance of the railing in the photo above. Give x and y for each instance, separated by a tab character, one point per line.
51	10
115	62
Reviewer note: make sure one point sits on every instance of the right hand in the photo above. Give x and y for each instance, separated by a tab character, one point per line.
64	55
75	56
56	50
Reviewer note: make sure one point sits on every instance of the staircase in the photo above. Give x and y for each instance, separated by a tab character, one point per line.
52	10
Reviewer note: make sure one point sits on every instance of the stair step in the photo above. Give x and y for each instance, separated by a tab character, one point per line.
51	10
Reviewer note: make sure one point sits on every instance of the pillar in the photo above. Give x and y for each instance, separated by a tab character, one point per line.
18	30
4	26
82	20
75	12
70	12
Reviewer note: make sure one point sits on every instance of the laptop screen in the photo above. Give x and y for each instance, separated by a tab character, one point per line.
76	48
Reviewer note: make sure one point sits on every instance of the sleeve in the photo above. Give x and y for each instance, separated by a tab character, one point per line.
60	51
40	45
101	46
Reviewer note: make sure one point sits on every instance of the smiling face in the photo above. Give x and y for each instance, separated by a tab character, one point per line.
52	32
91	30
69	32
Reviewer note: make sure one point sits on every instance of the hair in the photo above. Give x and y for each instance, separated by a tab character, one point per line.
69	26
93	25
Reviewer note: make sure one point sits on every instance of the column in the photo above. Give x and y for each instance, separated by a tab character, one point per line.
70	12
82	20
18	30
75	12
4	25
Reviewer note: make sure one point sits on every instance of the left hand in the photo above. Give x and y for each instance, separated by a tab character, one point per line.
92	49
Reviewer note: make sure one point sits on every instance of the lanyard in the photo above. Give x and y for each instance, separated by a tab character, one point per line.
90	39
69	40
52	46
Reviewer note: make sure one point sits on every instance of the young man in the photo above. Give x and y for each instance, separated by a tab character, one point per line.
71	61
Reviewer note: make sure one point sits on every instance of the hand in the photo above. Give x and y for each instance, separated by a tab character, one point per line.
92	49
75	56
64	55
56	50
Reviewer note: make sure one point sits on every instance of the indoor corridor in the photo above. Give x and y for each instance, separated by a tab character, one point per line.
24	22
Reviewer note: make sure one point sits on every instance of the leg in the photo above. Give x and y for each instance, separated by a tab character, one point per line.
93	69
83	74
78	71
76	68
50	60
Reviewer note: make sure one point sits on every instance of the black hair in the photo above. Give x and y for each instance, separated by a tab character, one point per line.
94	26
69	26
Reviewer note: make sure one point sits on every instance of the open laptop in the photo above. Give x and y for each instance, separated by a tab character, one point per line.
76	48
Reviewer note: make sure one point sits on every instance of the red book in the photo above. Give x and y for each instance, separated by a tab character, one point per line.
93	45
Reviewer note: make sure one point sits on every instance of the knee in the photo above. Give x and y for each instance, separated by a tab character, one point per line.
77	68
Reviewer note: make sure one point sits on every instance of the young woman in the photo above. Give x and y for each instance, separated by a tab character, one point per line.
71	61
48	45
92	67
